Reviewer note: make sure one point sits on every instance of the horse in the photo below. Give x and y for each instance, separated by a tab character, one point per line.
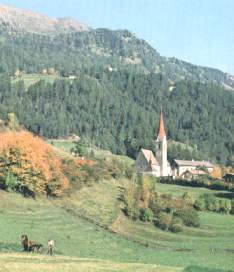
30	246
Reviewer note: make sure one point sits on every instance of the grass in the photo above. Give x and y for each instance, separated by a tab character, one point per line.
67	145
92	234
89	224
25	263
179	190
30	79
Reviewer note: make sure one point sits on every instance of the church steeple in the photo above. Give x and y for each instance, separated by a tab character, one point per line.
161	132
161	147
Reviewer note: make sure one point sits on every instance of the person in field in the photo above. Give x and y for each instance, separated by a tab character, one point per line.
50	247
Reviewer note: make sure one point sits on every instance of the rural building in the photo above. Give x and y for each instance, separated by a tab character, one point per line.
156	164
180	167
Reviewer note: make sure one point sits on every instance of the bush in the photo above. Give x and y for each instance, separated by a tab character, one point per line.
176	224
211	203
232	207
131	199
200	203
132	212
146	215
225	206
190	218
11	182
163	221
188	198
176	228
155	204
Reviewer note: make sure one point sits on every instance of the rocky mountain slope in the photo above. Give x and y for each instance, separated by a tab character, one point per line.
24	20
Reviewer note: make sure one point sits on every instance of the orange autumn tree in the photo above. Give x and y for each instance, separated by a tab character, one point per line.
217	172
29	165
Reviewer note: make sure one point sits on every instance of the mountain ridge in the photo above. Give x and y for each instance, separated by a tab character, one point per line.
103	42
29	21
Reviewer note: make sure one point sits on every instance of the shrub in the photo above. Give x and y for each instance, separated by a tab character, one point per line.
200	203
28	164
190	218
163	221
176	228
155	205
11	182
176	224
146	215
131	199
188	198
132	212
232	207
211	203
171	204
225	206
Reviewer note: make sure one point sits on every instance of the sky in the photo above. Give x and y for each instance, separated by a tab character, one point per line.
197	31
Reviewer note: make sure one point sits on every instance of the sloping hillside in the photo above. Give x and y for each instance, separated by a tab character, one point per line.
90	225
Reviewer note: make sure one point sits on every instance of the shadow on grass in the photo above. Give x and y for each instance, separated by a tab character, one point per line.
225	195
10	247
204	269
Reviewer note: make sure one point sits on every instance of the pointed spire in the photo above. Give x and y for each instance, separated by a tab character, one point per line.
161	132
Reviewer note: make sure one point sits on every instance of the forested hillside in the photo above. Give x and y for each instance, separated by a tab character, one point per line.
119	83
120	112
90	51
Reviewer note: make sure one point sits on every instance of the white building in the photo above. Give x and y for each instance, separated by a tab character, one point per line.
147	163
184	167
158	165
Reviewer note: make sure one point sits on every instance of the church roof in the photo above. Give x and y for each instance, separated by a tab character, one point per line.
149	156
194	163
161	132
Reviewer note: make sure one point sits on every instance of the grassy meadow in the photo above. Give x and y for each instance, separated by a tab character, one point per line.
94	228
92	234
30	79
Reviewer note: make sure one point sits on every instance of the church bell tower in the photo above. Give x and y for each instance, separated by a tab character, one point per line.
161	147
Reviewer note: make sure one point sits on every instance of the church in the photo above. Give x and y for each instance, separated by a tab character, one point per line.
156	163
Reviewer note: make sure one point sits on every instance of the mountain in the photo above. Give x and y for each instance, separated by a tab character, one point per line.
109	88
15	19
121	45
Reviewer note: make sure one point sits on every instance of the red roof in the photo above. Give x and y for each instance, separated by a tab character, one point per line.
149	156
161	132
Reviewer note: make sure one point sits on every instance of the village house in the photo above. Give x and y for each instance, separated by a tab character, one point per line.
157	164
194	168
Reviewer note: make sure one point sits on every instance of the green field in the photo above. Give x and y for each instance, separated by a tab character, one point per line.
92	233
89	224
30	79
67	145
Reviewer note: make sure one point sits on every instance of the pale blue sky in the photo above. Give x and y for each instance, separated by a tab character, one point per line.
198	31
